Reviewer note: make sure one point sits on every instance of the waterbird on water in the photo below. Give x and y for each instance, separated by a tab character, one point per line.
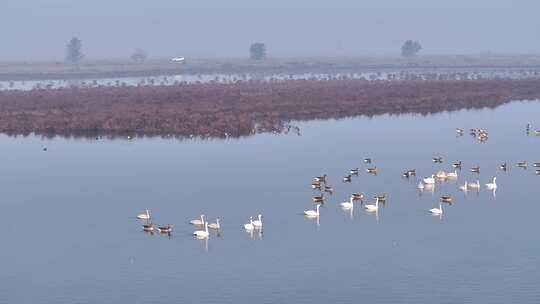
258	223
440	174
198	222
373	207
347	205
144	216
475	185
357	196
215	225
437	211
329	189
492	185
148	227
457	165
522	164
429	180
165	229
320	178
313	213
249	226
202	233
446	199
409	173
373	170
437	159
318	198
452	174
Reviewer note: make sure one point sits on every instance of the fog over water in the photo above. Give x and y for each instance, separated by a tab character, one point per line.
39	29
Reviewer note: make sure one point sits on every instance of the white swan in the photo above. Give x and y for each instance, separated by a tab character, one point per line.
420	186
492	186
475	185
144	216
347	205
249	226
202	233
437	211
429	180
215	225
441	174
373	207
464	187
452	174
258	223
313	213
198	222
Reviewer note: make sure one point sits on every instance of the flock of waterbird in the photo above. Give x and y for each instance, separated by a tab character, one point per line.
320	184
148	226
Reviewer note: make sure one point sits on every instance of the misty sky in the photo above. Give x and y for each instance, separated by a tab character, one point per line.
39	29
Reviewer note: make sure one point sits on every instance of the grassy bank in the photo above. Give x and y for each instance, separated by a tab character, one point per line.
112	68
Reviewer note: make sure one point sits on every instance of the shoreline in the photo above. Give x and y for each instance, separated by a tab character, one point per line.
27	71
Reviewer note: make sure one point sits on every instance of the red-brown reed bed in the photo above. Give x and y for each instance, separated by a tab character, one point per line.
219	110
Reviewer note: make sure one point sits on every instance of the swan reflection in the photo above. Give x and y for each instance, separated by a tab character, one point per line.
251	233
204	241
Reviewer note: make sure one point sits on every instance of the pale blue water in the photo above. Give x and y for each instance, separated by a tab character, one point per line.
70	234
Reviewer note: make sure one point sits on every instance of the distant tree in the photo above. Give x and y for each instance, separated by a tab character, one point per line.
74	50
410	48
139	56
257	51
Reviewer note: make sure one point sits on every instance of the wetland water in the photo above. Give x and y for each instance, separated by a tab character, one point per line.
70	234
169	80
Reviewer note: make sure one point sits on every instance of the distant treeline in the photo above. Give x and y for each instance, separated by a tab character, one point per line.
233	110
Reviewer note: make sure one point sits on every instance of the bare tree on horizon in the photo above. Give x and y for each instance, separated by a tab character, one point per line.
257	51
74	50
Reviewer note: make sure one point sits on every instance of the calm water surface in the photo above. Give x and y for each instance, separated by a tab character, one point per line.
70	234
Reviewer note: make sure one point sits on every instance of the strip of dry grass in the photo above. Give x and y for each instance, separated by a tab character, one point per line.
218	110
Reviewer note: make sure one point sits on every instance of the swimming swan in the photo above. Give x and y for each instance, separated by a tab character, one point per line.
475	185
373	207
452	174
215	225
144	216
347	205
202	233
249	226
492	186
258	223
437	211
313	213
198	222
